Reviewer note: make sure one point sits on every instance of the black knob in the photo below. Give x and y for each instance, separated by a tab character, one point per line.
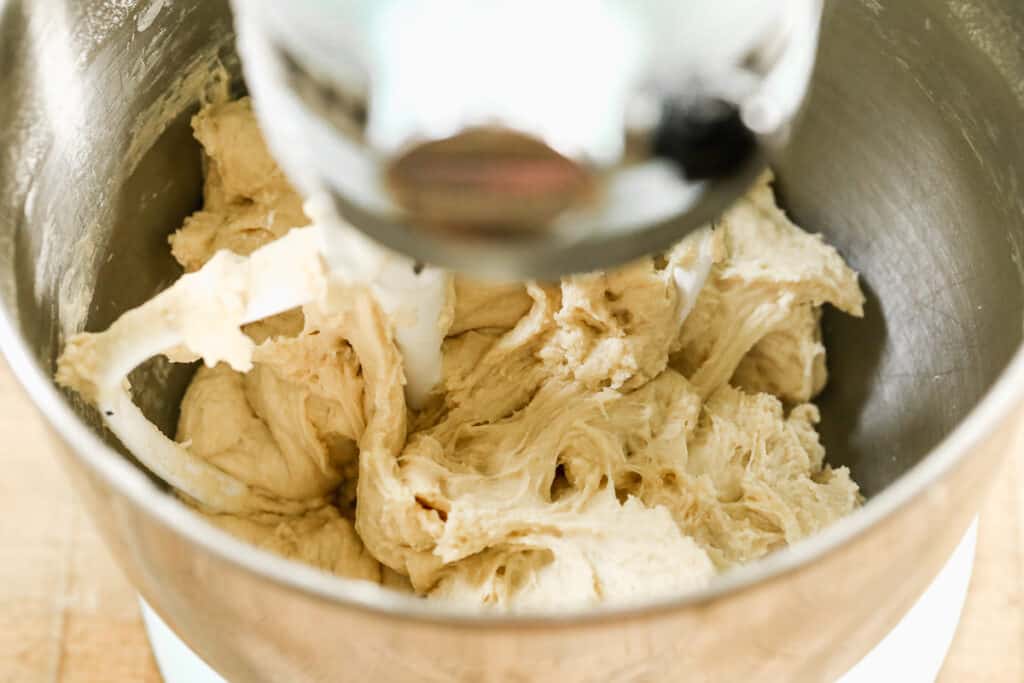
707	140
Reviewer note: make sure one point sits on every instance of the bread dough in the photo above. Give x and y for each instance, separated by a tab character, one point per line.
612	437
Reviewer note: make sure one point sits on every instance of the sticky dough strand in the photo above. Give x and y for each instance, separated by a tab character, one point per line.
230	291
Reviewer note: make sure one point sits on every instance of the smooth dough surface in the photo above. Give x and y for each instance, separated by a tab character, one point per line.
611	437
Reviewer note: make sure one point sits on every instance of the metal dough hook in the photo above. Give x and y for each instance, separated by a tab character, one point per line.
527	139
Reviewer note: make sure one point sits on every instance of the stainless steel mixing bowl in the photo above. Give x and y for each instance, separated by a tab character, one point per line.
910	160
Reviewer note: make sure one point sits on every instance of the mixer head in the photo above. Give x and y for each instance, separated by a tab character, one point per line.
527	139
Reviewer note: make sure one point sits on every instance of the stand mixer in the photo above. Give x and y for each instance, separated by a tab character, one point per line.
423	127
527	139
905	159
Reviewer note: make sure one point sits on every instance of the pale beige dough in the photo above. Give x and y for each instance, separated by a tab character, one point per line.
321	538
607	438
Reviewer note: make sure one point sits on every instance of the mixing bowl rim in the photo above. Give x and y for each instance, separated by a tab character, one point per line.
998	403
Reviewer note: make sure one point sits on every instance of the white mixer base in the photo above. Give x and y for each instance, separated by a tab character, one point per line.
913	652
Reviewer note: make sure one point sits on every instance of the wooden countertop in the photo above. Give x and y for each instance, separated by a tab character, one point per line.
67	614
